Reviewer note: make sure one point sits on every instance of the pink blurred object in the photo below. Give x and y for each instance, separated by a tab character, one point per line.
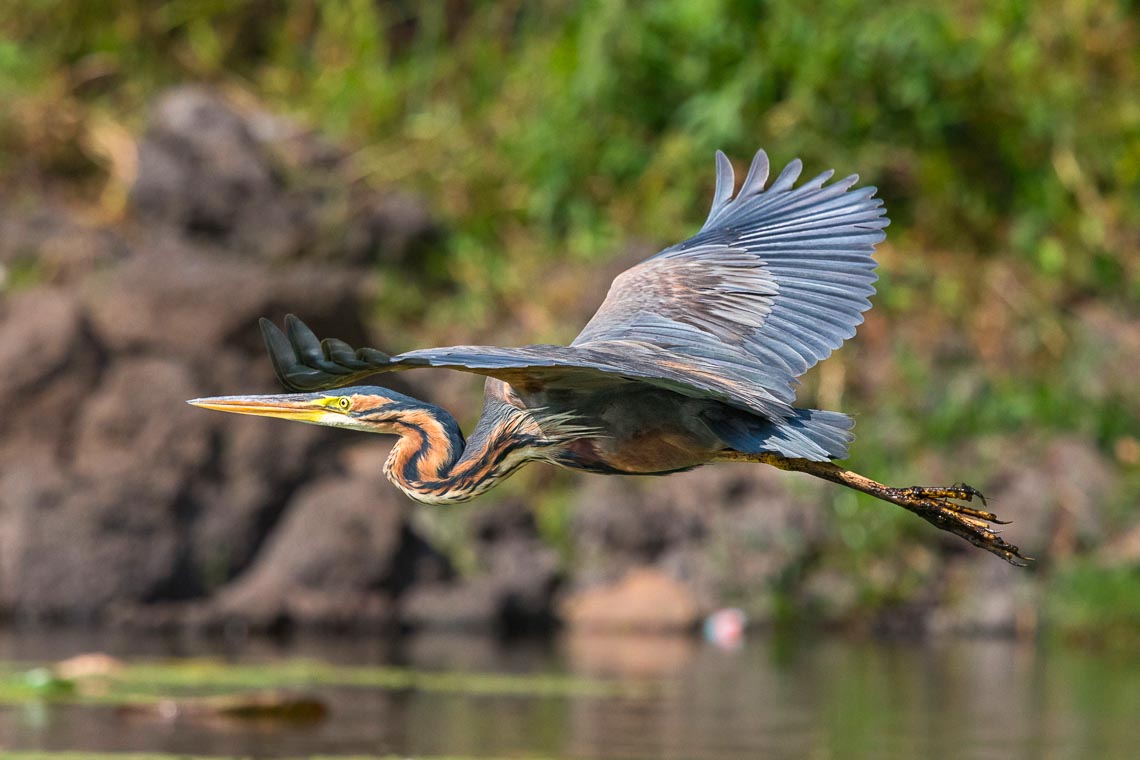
725	627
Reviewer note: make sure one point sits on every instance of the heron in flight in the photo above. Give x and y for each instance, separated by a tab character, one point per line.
692	358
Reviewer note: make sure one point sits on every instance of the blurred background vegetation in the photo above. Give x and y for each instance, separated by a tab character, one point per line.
552	136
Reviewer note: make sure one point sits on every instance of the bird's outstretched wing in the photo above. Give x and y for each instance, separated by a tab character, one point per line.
303	362
774	281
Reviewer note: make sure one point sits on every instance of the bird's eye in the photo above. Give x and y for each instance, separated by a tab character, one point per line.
345	403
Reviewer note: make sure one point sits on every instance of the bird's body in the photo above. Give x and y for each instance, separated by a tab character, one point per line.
692	358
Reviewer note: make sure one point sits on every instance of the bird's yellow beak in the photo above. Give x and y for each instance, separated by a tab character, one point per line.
299	407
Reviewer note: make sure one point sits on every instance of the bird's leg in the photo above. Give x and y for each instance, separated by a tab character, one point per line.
937	505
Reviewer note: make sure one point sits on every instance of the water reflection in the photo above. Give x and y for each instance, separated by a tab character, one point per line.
772	698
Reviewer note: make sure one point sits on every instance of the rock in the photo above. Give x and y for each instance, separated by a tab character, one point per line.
473	605
157	502
201	171
513	590
50	368
120	535
639	523
39	331
56	248
515	594
255	183
179	301
646	599
340	539
140	406
110	477
255	468
397	229
88	665
229	475
728	532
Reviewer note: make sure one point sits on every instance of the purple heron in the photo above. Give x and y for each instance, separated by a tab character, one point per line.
691	359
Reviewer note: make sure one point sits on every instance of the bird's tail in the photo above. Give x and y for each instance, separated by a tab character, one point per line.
808	434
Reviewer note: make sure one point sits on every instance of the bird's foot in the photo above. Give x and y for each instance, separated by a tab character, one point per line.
940	507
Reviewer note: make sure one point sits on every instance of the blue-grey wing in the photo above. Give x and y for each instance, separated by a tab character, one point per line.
775	280
303	362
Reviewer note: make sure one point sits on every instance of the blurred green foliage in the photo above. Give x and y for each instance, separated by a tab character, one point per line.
995	127
1004	137
1098	604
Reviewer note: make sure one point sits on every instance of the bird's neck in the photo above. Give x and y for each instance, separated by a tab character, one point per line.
432	463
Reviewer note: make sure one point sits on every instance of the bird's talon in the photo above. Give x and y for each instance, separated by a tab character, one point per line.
973	492
939	506
959	491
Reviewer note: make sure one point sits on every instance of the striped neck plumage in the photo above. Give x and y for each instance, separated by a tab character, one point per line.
432	464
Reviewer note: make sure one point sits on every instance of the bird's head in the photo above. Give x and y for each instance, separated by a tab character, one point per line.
368	408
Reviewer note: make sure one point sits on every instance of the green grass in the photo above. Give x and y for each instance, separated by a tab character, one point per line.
1009	126
147	682
1098	604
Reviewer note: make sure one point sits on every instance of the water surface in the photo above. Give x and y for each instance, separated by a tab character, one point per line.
621	697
